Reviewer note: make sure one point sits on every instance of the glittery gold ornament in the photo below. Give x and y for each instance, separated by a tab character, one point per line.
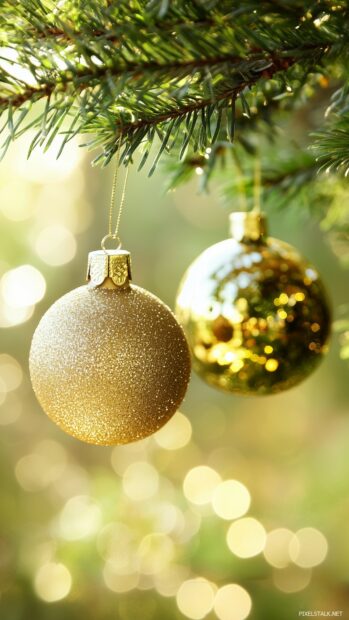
109	363
254	311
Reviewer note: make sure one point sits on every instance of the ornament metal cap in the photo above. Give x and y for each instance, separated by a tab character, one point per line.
109	268
247	227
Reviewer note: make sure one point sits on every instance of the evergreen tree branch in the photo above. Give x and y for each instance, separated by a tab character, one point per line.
155	69
332	143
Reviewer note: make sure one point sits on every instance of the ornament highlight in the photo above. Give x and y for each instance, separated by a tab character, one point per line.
109	362
254	311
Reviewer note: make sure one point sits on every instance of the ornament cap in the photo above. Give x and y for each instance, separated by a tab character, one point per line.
247	227
109	268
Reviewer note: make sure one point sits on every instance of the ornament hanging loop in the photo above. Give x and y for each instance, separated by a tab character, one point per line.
112	237
115	235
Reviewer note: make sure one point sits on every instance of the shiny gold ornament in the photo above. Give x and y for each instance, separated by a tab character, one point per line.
255	313
108	362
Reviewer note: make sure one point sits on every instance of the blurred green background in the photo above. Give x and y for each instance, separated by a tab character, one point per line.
238	508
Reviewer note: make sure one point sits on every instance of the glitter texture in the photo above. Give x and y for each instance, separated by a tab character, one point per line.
254	311
109	366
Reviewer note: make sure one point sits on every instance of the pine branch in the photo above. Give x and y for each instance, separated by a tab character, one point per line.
85	78
332	143
174	70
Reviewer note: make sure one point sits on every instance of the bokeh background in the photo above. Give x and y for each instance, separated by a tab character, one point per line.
238	508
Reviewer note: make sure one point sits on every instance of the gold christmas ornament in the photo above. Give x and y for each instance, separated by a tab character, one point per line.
109	363
254	311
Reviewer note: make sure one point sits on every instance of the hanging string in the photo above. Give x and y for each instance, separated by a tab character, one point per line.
257	182
115	235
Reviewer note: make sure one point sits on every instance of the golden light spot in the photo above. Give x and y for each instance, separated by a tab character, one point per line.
80	518
10	372
167	518
318	23
246	537
10	316
3	391
271	365
282	314
200	352
155	553
276	301
242	304
218	353
299	296
283	298
232	602
200	483
259	359
191	526
55	245
276	550
52	582
115	542
140	481
291	579
37	470
231	499
230	356
168	582
119	582
315	327
195	598
268	349
308	547
23	286
237	365
175	434
13	409
124	455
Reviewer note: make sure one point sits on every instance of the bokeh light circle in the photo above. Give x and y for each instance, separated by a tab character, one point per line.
246	537
175	434
200	483
292	579
276	550
155	553
80	518
55	245
23	286
140	481
231	499
195	598
308	547
119	582
10	372
52	582
232	602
